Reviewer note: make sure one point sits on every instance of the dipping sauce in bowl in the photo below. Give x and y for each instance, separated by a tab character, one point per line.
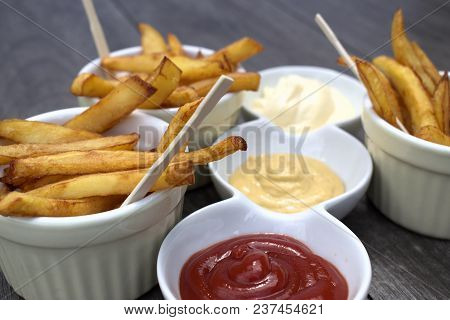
296	103
286	183
260	266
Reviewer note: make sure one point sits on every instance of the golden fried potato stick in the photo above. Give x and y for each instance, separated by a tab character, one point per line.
433	134
120	102
411	91
151	39
19	151
192	69
426	63
26	205
177	123
242	81
4	190
441	103
405	53
40	182
92	85
115	183
238	51
164	79
25	131
100	161
185	94
181	95
176	48
381	93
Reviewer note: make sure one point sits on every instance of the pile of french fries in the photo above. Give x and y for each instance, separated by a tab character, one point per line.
407	90
69	170
188	78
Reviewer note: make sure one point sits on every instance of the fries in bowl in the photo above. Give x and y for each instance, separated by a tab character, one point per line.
70	170
407	91
191	76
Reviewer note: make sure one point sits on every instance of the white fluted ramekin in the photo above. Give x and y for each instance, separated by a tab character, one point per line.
411	180
109	255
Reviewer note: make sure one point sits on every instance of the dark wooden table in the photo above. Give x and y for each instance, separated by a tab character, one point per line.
44	43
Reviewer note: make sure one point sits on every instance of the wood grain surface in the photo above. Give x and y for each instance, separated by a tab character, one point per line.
44	44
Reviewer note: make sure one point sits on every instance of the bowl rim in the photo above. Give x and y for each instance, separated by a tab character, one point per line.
398	134
96	219
322	70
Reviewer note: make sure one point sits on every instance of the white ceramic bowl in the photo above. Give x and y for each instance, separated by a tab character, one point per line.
323	234
223	117
315	227
344	154
411	181
109	255
350	87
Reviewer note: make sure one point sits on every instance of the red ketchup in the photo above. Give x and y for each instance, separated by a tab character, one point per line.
260	266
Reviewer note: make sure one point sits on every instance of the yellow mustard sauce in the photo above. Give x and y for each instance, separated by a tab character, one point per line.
286	183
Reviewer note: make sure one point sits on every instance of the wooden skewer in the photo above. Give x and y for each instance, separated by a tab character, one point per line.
323	25
96	29
331	36
218	90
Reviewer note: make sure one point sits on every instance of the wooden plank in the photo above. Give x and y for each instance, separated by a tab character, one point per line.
216	23
38	69
405	265
363	26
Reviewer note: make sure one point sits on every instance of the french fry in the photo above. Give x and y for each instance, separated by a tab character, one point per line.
192	69
167	81
411	91
145	63
405	53
151	40
179	120
3	191
242	81
176	48
181	95
26	205
91	85
115	183
186	94
239	50
25	131
18	151
441	103
114	107
40	182
381	93
164	79
433	134
195	69
426	63
101	161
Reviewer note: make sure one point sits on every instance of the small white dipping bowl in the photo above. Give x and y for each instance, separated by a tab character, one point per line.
316	227
350	87
411	181
323	234
109	255
343	153
223	117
